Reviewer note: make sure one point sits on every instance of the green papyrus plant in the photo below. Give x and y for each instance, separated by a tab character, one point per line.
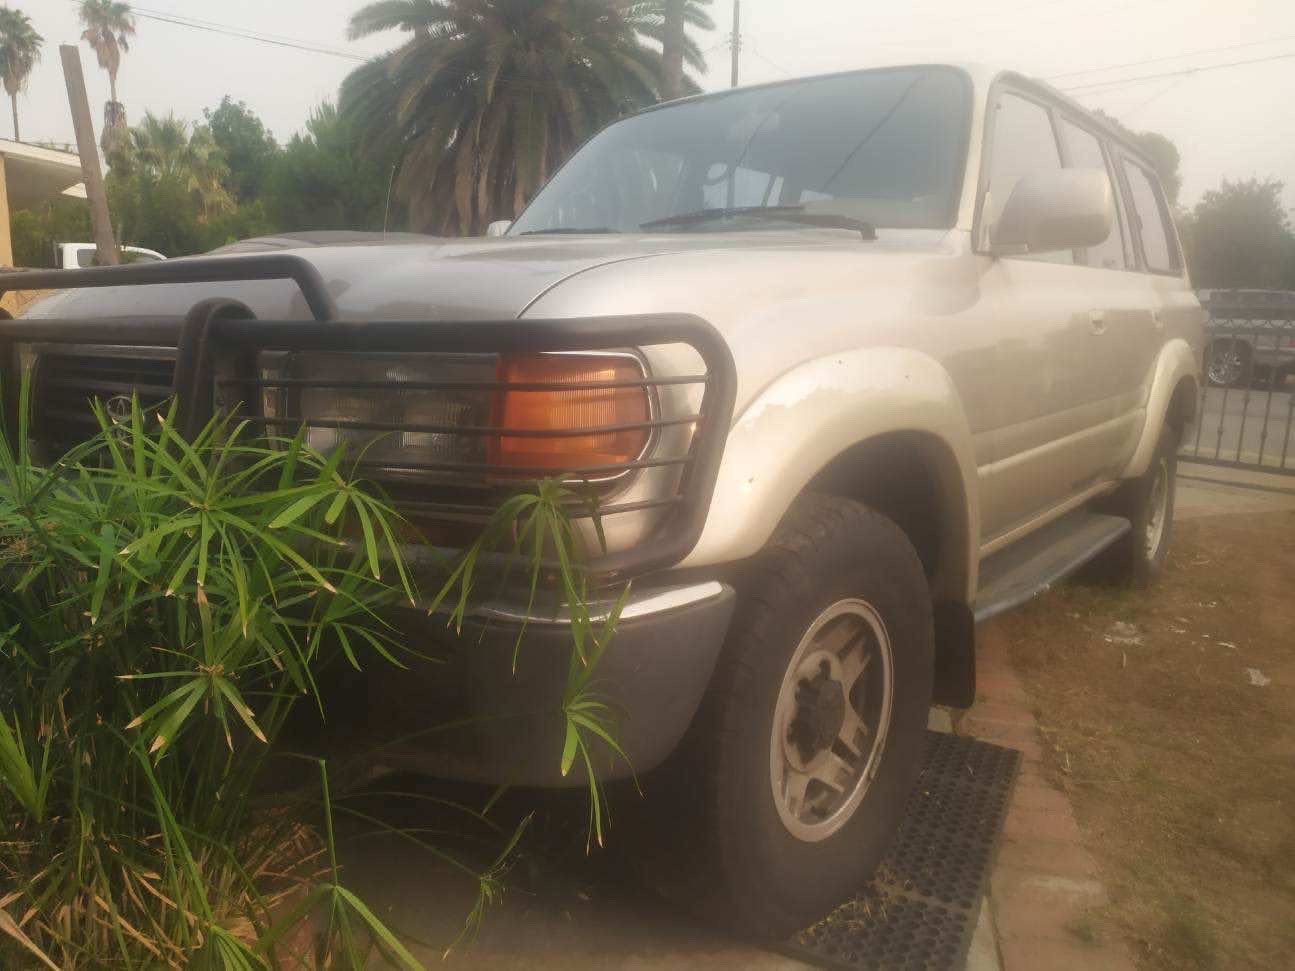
164	604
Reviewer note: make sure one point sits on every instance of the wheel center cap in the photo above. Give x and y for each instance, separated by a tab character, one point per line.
820	713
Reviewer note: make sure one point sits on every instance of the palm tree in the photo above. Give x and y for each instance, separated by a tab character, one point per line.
109	26
166	148
487	97
667	21
19	51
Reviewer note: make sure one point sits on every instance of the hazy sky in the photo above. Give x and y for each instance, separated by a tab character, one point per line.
1236	122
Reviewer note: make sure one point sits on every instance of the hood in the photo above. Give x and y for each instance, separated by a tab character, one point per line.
408	277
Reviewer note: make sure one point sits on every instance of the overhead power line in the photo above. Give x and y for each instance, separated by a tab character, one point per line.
768	60
268	35
1118	82
280	40
1170	57
1127	114
211	27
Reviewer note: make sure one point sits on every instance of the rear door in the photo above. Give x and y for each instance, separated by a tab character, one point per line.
1121	306
1175	310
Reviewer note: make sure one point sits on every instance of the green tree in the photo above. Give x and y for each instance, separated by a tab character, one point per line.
1162	152
487	97
248	149
667	22
109	26
156	212
36	232
168	149
1239	235
19	51
166	189
325	179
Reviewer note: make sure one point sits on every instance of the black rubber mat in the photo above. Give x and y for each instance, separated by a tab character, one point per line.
920	910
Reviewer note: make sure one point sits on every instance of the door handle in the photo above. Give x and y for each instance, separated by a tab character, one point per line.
1097	321
1157	320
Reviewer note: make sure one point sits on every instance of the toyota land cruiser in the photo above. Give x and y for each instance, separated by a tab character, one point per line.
853	362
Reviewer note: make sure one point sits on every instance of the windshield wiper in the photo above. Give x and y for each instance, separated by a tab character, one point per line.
795	214
565	231
709	215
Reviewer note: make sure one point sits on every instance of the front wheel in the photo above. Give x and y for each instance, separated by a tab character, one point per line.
795	773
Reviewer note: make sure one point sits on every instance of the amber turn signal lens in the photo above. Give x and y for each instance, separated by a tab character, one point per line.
571	410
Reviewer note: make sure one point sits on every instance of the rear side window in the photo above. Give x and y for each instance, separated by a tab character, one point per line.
1084	151
1152	218
1023	143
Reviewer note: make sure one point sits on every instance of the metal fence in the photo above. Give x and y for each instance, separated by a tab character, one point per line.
1247	406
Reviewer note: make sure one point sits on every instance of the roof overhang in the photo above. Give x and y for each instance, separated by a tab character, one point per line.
34	174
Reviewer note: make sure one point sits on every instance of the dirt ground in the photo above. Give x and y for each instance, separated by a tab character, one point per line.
1169	717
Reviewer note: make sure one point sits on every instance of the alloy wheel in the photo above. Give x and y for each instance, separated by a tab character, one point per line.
1157	509
1226	365
831	720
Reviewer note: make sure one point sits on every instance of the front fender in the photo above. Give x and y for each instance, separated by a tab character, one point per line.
814	413
1177	361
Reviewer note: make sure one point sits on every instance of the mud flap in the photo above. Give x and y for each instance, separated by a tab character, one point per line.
955	656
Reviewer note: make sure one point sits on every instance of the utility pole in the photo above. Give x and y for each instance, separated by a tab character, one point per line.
91	174
737	37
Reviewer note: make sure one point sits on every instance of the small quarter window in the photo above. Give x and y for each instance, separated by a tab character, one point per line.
1152	218
1023	143
1084	151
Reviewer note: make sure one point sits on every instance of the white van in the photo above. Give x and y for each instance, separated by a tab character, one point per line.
75	256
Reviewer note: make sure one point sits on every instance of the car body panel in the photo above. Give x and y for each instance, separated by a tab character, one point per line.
1177	362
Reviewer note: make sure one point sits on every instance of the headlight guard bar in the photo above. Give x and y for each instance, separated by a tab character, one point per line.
218	343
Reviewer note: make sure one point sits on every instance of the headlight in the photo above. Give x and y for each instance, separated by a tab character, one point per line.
397	410
446	416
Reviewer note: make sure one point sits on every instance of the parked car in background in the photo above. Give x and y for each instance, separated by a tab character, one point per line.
849	363
1251	337
72	256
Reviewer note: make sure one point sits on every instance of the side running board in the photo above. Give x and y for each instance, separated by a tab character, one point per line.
1026	569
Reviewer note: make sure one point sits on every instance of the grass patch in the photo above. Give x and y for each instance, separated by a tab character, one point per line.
1180	769
1084	929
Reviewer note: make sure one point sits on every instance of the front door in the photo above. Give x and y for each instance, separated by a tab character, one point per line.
1056	431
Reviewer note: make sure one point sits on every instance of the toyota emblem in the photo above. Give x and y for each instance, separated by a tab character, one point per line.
118	408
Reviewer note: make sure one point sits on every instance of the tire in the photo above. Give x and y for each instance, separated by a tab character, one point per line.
1148	503
736	856
1230	364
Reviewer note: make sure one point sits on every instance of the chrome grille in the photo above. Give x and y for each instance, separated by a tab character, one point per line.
65	383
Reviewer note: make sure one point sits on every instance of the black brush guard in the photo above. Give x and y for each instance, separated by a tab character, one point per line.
217	344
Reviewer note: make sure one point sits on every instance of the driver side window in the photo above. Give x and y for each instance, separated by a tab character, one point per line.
1023	143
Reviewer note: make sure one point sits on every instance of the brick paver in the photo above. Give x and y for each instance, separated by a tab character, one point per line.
1044	881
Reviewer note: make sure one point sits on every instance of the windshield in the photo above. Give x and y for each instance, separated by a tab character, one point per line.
882	146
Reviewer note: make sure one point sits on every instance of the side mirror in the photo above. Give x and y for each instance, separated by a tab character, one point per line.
1055	210
499	227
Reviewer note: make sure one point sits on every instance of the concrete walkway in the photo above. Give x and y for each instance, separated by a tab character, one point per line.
1213	490
1044	880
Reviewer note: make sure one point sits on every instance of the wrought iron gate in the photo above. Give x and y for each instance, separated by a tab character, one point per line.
1247	406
